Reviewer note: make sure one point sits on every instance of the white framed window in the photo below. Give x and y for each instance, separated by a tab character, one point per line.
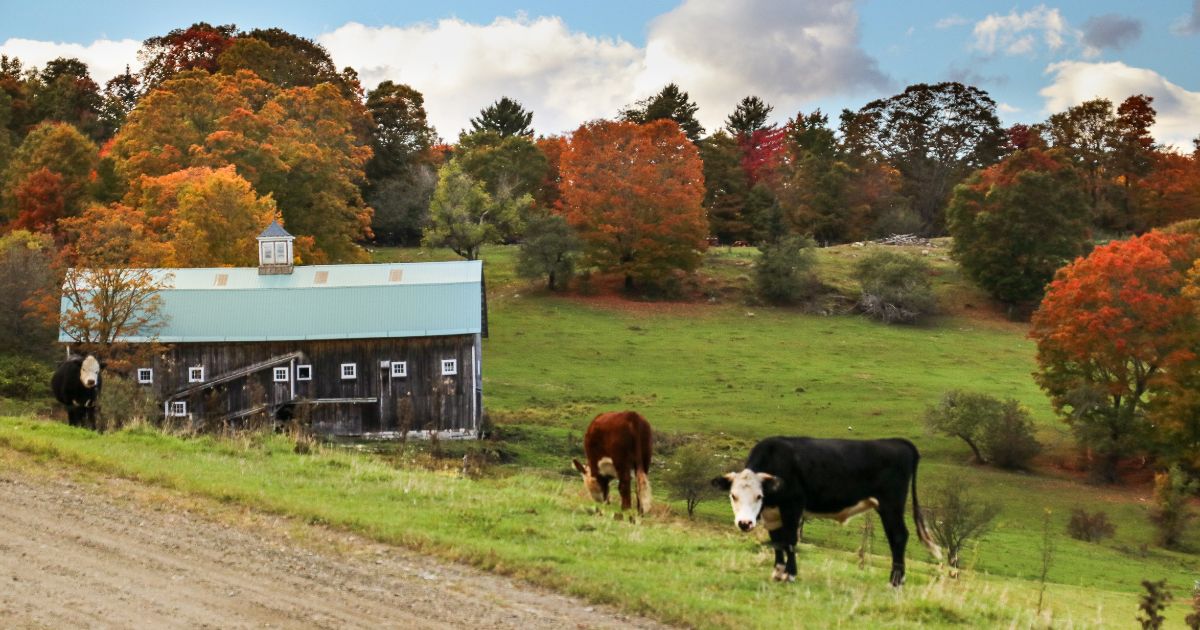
145	376
281	374
178	409
349	371
449	367
399	369
196	374
303	372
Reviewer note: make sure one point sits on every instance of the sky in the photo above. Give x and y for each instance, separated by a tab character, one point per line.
570	62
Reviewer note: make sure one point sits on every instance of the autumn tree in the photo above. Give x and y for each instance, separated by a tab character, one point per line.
119	97
1169	192
65	92
1175	412
1015	223
749	116
464	217
285	59
1110	327
725	188
25	272
934	135
548	194
197	47
506	117
670	103
49	175
634	193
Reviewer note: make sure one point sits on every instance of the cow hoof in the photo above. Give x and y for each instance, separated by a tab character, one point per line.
779	574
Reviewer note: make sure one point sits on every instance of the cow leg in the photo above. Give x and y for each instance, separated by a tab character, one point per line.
897	535
784	539
90	415
624	485
604	482
74	416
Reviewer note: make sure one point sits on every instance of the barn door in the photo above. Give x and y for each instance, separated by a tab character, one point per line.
383	388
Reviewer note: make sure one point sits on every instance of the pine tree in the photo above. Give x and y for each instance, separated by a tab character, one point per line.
506	117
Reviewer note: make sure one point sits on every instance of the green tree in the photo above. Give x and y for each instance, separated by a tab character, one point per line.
689	471
505	117
549	250
725	188
66	93
749	116
783	273
463	216
999	432
119	98
1086	133
670	103
1016	223
25	272
934	135
400	174
509	167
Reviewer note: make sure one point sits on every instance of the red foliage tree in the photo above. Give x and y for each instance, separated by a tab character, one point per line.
40	201
763	153
634	192
1170	192
1111	327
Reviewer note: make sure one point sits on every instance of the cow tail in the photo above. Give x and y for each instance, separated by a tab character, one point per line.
918	518
645	445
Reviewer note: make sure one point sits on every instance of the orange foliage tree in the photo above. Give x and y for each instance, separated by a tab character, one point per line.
1170	192
633	193
1111	328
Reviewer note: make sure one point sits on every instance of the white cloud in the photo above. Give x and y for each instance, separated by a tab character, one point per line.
719	52
1005	108
1016	33
105	58
1073	82
950	21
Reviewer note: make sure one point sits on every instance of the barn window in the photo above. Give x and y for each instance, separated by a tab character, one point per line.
196	374
178	409
399	369
303	372
281	375
349	371
449	367
145	375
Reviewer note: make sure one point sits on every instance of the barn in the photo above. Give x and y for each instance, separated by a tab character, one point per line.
362	350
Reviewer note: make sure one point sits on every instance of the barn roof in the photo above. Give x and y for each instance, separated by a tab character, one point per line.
319	302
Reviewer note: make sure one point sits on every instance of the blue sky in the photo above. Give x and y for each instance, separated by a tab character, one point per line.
573	61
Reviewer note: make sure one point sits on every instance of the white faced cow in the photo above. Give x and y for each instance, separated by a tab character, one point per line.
787	478
76	384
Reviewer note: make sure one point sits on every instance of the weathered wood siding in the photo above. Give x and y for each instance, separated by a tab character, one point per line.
373	401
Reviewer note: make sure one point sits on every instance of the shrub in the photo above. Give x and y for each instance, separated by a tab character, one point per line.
999	433
688	475
1090	527
1170	512
1153	603
957	516
123	401
548	250
784	271
895	287
23	377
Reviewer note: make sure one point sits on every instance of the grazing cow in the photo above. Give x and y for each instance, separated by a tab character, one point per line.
617	444
76	384
787	478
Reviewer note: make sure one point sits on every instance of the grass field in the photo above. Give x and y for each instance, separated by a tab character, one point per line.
732	372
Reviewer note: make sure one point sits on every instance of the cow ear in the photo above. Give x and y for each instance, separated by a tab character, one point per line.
724	482
770	483
579	466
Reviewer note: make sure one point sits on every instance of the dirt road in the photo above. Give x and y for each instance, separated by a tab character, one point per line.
112	553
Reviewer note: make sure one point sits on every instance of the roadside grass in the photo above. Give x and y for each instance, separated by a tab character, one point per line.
538	526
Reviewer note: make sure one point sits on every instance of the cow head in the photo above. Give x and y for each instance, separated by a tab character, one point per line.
591	483
746	491
89	371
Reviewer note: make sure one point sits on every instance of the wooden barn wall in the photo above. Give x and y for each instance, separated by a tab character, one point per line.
421	401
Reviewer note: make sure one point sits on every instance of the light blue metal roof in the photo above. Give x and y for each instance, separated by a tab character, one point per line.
319	302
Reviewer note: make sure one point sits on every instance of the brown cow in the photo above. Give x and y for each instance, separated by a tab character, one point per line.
617	444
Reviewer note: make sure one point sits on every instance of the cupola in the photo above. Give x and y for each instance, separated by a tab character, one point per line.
275	250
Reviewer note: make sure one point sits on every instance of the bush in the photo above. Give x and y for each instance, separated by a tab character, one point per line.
999	433
687	477
1170	512
784	271
123	402
957	516
895	287
548	250
1092	527
22	377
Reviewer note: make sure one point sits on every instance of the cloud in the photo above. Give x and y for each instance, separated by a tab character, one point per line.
1016	33
786	53
950	21
1073	82
1189	24
1110	31
105	58
1005	108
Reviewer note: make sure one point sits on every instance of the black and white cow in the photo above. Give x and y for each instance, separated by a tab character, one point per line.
787	478
76	384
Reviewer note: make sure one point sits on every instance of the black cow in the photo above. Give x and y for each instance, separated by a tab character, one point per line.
787	478
76	384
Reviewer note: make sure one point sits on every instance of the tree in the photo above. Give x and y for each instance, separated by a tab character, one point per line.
509	167
1175	410
400	174
505	117
66	93
197	47
1110	326
934	135
1086	133
633	193
25	272
725	188
1168	193
998	432
118	99
401	204
286	60
670	103
1015	223
783	273
548	250
749	116
463	216
687	476
548	194
956	516
1170	511
48	176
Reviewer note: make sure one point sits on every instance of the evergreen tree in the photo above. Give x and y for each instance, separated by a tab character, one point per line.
505	117
750	116
670	103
